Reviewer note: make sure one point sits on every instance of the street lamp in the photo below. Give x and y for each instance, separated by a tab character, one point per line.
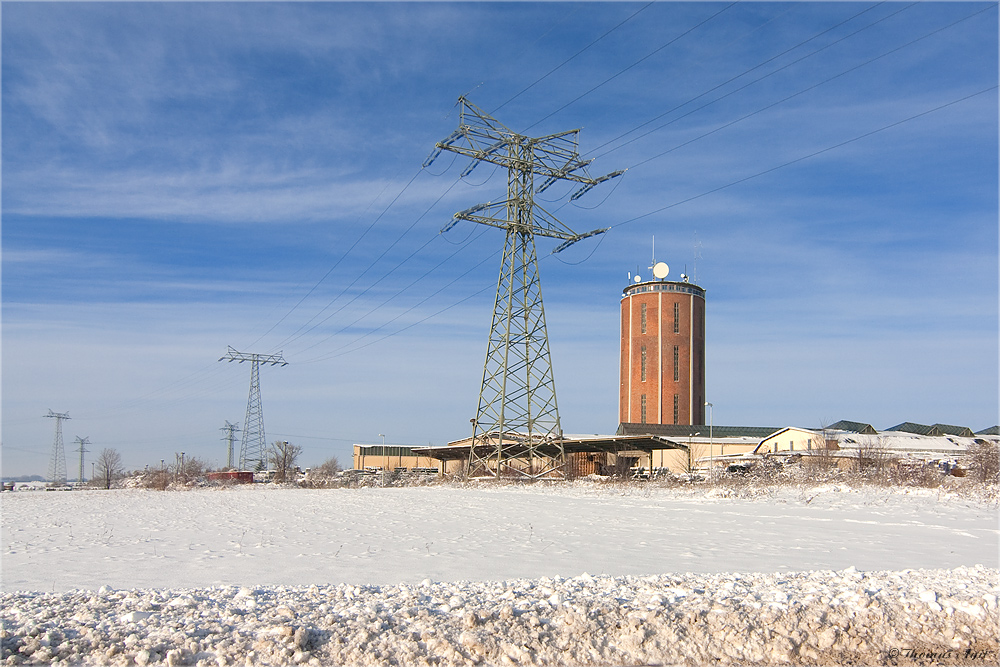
711	444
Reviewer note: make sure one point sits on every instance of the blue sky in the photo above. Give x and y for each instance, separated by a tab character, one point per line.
182	177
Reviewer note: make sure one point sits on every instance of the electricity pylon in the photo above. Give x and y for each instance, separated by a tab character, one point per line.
518	417
253	449
230	430
57	467
83	442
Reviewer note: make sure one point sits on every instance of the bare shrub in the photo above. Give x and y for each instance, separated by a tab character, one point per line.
873	461
822	461
324	475
329	467
983	461
158	479
918	474
188	469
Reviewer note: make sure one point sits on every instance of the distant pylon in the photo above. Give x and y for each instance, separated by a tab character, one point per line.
253	449
82	442
230	437
517	429
57	467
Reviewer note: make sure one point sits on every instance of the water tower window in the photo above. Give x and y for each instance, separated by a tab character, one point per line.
677	368
642	318
677	405
642	369
642	408
677	317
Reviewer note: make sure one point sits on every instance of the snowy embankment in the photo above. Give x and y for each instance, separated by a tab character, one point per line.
284	576
847	617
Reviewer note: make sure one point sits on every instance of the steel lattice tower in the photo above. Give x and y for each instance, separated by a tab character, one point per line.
517	429
83	442
57	466
253	449
230	430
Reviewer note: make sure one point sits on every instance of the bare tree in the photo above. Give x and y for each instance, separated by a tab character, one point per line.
283	456
109	466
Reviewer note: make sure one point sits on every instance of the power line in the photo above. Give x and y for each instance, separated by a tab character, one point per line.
342	257
644	58
401	291
571	58
730	80
803	91
405	312
346	253
827	46
804	157
300	333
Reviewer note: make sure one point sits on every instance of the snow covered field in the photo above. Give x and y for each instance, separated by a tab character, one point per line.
570	574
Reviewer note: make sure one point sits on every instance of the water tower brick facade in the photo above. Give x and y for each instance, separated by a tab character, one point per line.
662	354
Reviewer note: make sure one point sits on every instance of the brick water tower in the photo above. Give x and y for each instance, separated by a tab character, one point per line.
663	351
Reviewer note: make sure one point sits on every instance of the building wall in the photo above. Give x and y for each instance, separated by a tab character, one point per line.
659	318
792	440
390	458
701	457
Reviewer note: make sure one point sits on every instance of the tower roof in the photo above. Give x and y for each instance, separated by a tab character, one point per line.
664	286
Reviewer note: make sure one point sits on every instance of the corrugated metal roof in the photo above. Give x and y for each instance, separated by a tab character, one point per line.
854	427
949	429
919	429
992	430
905	441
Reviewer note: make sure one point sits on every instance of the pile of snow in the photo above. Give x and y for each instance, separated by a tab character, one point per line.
845	617
261	575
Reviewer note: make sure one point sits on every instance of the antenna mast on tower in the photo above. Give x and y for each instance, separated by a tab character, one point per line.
697	256
253	449
57	467
518	417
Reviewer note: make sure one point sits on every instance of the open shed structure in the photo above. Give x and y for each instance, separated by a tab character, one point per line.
584	455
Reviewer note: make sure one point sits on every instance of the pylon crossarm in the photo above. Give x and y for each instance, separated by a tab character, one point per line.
586	235
562	175
547	225
272	359
470	114
544	223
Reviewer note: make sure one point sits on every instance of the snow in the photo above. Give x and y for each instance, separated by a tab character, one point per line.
498	574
